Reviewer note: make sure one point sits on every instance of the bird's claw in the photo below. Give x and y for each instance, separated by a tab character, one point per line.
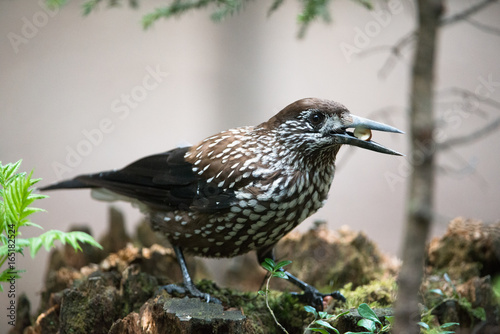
311	296
173	289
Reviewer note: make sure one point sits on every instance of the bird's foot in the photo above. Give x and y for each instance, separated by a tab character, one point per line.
173	289
311	296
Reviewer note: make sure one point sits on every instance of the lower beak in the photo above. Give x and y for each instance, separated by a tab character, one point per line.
349	138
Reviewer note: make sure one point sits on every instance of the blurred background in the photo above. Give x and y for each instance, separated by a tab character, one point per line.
84	94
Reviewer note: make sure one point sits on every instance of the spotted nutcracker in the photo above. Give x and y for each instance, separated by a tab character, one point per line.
242	189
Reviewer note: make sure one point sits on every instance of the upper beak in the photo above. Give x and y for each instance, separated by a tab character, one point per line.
348	137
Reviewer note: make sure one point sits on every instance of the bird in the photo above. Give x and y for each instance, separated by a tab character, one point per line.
242	189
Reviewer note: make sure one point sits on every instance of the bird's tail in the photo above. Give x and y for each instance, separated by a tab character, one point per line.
68	184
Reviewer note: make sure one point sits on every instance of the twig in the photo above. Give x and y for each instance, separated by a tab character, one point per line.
466	13
471	137
483	27
468	168
396	49
486	100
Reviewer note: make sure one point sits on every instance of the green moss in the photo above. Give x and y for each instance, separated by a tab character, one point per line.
288	311
477	313
432	322
377	294
136	290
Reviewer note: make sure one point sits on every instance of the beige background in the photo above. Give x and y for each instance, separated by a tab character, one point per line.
69	75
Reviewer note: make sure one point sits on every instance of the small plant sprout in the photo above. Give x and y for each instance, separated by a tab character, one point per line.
444	297
319	319
440	330
275	270
16	196
496	288
370	321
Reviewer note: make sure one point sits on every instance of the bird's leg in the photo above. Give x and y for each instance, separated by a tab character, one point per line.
189	288
311	295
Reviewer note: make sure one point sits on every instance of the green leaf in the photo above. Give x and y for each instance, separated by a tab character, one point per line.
48	239
365	3
267	266
55	3
270	262
32	182
35	245
366	312
37	196
423	325
226	8
282	264
449	324
319	330
7	172
447	278
341	314
437	291
29	211
175	8
280	274
311	309
262	293
7	274
89	6
324	315
33	224
4	249
326	324
368	324
274	6
311	11
332	316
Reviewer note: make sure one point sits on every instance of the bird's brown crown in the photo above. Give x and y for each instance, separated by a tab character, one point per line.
293	110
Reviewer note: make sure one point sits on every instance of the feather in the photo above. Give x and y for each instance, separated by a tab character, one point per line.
163	181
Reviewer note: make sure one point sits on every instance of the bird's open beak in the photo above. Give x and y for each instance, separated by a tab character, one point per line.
361	136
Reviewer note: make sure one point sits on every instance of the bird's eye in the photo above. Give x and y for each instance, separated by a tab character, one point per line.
316	118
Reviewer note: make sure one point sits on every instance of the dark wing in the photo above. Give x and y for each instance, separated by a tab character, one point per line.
164	181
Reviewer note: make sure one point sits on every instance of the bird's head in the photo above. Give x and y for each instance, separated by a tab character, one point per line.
314	126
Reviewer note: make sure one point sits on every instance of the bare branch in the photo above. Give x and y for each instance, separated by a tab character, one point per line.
396	49
471	137
467	102
466	13
465	169
467	93
459	169
396	53
483	27
474	108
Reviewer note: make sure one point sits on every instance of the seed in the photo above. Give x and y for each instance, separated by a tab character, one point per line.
363	133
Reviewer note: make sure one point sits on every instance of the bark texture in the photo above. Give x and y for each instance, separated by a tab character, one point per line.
421	186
